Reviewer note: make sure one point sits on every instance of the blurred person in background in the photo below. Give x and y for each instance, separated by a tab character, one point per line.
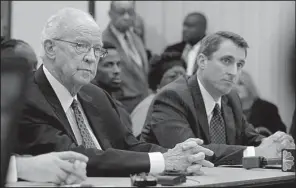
134	63
263	115
194	29
57	167
19	48
164	69
139	29
108	77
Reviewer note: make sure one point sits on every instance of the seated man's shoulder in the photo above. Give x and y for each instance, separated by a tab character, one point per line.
97	94
177	47
234	101
93	90
178	88
178	85
233	93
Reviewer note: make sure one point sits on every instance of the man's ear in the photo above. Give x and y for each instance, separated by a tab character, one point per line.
110	13
202	61
49	49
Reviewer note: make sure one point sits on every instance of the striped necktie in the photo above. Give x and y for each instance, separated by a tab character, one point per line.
87	141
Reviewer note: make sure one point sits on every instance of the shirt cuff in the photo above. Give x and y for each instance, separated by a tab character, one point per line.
249	151
157	164
12	170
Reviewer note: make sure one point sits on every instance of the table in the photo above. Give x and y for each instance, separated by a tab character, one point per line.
213	177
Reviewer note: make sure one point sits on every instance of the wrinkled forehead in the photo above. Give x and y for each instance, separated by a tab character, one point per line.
123	4
82	28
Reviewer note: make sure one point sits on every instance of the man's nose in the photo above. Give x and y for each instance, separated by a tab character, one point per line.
90	56
232	69
116	69
126	15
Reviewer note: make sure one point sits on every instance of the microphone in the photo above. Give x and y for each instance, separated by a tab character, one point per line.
260	162
287	161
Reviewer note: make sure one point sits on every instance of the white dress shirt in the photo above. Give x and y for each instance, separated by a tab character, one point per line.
66	100
191	57
209	105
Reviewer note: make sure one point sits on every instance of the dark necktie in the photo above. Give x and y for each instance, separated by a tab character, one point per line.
131	51
87	141
217	127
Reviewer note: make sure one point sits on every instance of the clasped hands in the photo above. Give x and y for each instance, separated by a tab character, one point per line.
272	146
57	167
188	157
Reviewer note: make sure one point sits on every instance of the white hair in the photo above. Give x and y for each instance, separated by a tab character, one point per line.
58	23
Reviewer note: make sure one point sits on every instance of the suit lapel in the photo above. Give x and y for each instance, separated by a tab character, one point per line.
229	121
132	66
53	100
94	114
141	51
199	107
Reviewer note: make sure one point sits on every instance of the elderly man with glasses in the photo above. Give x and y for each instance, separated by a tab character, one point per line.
67	112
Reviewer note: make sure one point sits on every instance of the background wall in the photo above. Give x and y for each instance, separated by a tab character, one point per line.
5	18
102	9
269	28
29	17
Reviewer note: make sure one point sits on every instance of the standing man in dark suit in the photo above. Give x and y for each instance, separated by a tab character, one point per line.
67	112
194	29
204	106
134	64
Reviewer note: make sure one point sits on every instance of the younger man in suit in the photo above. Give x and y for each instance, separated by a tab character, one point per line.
108	77
204	106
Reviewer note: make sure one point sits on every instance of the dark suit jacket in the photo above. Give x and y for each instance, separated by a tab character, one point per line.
134	86
265	114
178	47
124	115
178	113
44	128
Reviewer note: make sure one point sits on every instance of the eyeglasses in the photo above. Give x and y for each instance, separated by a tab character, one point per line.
85	48
121	12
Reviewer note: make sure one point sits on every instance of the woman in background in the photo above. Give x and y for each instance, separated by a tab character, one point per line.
163	70
263	115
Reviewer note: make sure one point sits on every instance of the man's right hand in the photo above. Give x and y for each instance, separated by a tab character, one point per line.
53	167
188	156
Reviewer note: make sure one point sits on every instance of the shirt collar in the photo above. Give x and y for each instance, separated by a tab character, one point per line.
61	91
118	33
208	99
194	46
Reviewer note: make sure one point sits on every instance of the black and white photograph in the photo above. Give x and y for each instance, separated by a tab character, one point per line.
148	94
